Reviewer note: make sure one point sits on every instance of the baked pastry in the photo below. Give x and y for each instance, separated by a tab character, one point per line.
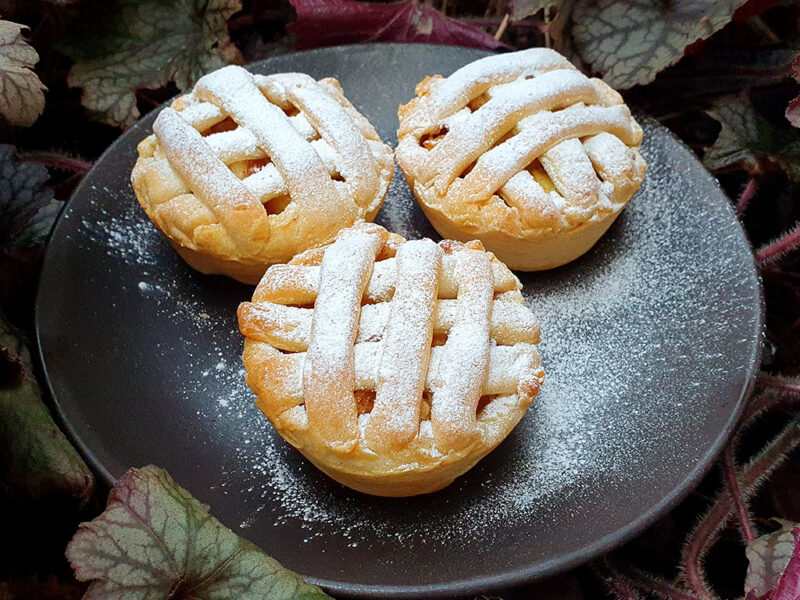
393	366
248	170
523	152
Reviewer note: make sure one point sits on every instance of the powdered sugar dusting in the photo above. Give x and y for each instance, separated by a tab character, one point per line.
466	352
124	234
308	181
639	343
587	427
127	237
539	132
574	436
508	103
406	340
573	175
454	91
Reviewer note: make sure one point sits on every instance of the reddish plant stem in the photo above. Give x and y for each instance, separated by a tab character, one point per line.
616	583
777	391
628	579
619	590
729	469
766	402
786	243
779	384
59	162
744	199
710	525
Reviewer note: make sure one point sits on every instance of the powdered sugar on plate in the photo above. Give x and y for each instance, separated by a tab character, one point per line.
647	342
621	357
124	234
611	325
128	237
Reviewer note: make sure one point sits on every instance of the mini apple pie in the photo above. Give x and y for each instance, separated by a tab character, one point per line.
248	170
523	152
394	366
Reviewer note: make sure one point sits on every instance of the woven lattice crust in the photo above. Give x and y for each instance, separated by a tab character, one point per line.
248	170
523	152
393	366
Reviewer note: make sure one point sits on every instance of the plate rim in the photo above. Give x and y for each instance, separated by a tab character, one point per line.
479	584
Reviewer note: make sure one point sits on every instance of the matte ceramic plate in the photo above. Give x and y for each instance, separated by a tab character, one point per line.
650	342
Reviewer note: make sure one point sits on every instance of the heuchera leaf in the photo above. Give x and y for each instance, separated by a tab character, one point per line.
774	569
155	541
27	207
630	42
21	92
147	44
747	137
793	110
37	460
331	22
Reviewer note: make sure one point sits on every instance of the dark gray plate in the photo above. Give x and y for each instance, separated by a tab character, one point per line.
650	343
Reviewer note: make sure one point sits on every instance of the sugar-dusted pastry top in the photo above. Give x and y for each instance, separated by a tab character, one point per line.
255	168
519	143
393	365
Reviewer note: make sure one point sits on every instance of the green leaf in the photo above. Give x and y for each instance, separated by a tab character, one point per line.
37	460
774	569
147	44
21	92
155	541
630	42
27	207
749	139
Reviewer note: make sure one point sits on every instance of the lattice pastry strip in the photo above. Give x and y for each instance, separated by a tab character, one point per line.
479	131
289	328
237	209
298	283
518	150
329	369
458	383
279	380
247	171
473	80
394	420
416	359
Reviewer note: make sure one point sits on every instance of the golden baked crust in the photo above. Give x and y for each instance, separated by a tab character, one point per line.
248	170
393	366
523	152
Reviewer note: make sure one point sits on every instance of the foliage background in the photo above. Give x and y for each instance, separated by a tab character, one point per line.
722	75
